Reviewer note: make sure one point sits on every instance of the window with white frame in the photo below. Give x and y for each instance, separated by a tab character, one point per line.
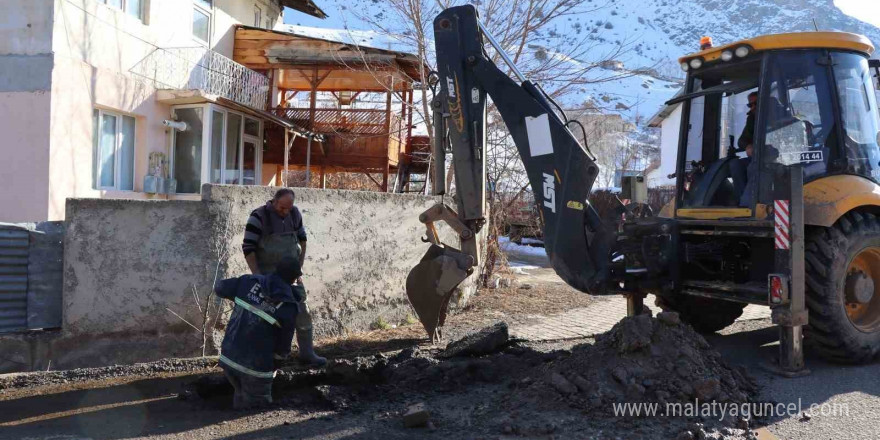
201	22
230	140
135	8
258	15
113	158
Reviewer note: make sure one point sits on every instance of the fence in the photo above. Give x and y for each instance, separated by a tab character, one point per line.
30	276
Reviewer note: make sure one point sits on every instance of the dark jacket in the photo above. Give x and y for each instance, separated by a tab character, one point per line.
264	220
251	340
748	134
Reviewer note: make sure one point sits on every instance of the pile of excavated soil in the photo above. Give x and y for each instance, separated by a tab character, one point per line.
645	363
642	359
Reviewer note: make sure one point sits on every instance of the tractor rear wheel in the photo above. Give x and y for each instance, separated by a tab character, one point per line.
843	289
705	315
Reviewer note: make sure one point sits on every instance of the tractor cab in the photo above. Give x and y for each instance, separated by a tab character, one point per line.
802	98
777	194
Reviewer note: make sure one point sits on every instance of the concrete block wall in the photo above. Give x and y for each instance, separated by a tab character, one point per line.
361	246
128	264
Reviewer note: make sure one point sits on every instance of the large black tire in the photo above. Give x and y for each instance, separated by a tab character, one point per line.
831	254
705	315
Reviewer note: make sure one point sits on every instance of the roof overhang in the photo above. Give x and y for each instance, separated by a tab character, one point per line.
664	111
292	50
795	40
305	6
183	97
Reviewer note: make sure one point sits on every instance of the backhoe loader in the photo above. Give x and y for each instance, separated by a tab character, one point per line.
792	223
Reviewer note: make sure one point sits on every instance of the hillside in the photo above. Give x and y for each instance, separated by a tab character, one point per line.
654	33
660	31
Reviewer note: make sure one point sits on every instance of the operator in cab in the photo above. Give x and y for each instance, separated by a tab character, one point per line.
275	231
260	330
744	170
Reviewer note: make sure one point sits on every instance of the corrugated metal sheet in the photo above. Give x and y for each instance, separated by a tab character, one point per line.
45	275
13	278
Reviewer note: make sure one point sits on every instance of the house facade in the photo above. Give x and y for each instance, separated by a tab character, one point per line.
128	99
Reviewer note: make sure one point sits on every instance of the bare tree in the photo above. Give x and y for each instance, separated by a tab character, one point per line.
545	46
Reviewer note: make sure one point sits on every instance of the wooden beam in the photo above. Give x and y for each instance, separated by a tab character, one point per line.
286	154
271	89
388	113
283	102
385	176
374	180
318	81
288	145
312	100
409	126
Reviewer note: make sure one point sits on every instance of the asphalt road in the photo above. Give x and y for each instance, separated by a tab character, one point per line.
846	398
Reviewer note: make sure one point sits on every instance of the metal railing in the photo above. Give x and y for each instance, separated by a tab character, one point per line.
196	68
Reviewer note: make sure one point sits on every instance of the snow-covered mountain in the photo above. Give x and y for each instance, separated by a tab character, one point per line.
653	33
658	32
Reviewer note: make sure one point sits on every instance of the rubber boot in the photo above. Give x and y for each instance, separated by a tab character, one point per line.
307	349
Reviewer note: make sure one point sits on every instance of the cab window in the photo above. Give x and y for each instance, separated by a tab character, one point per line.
859	114
798	114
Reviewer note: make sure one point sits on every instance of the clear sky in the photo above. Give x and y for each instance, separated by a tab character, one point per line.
865	10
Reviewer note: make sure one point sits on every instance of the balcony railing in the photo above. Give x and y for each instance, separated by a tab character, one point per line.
193	68
331	120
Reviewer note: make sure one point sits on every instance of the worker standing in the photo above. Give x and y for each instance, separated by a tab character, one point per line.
275	231
260	330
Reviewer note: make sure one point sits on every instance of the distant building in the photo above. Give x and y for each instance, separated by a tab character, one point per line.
616	144
87	85
668	120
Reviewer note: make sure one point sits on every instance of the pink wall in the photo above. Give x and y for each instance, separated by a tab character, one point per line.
24	156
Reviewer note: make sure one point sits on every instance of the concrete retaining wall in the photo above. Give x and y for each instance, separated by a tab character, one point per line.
130	267
361	246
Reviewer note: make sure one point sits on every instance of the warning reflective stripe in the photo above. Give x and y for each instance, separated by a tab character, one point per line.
257	312
246	370
782	224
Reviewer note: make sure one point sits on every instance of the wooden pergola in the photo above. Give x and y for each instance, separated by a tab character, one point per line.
358	136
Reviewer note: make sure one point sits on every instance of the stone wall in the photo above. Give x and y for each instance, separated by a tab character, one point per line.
137	272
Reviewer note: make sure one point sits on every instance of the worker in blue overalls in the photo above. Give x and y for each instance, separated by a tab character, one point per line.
260	330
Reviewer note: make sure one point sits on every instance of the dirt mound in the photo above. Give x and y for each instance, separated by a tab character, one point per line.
642	359
496	386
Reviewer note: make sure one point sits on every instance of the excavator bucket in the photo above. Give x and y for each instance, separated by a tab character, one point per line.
430	284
